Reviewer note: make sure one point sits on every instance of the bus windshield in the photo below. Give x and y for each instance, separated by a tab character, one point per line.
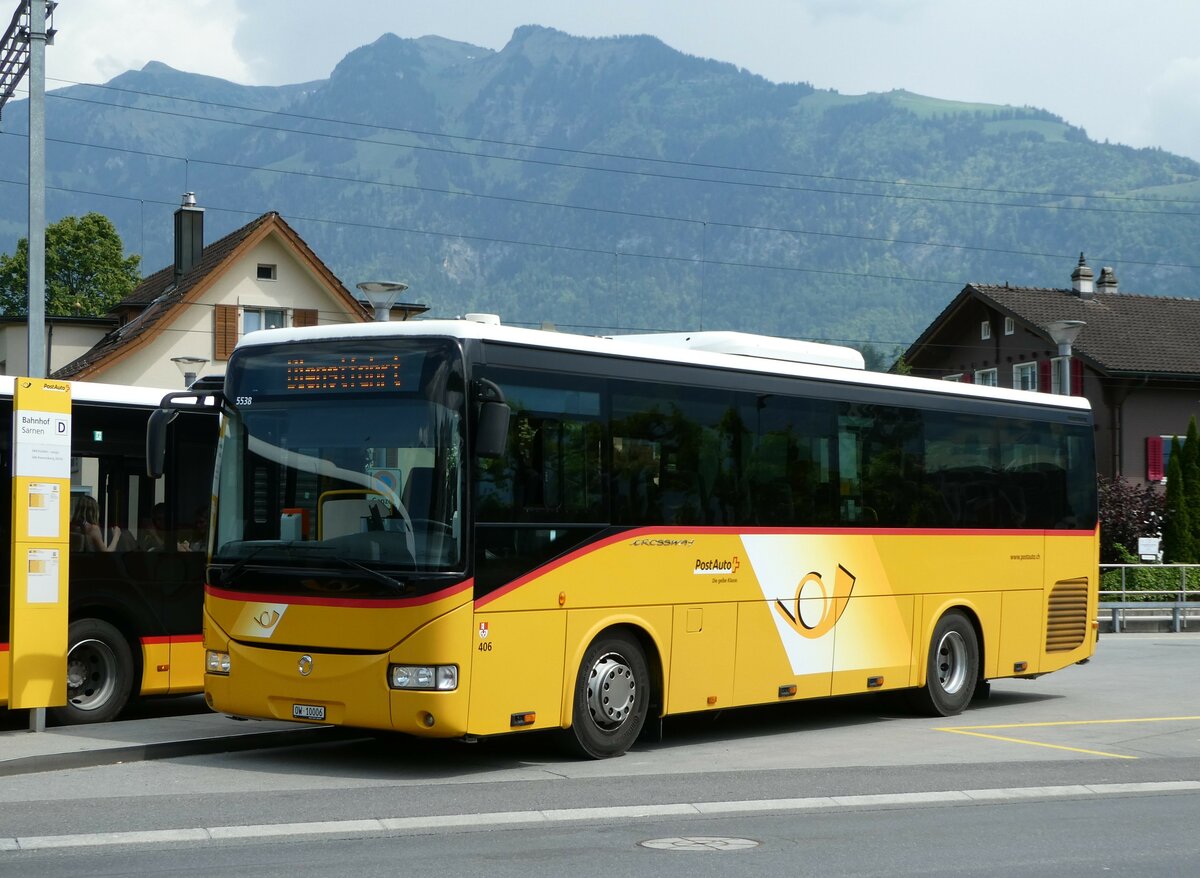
345	460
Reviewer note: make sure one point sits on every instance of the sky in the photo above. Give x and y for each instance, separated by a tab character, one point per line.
1126	72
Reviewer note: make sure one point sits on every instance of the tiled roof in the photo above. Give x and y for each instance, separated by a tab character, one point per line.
158	294
1124	332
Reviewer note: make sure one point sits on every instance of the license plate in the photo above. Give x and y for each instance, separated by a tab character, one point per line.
308	711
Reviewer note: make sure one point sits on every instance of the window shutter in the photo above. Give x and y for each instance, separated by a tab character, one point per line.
1076	377
1045	374
225	331
1154	459
304	317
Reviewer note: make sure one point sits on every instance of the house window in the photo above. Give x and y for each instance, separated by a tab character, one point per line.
1025	376
985	330
987	377
254	319
1057	365
266	272
1158	456
1010	326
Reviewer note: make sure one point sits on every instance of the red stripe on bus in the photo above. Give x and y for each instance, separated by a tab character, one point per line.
3	647
172	638
465	585
640	532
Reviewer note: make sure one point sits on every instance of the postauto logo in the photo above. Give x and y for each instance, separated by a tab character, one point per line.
713	566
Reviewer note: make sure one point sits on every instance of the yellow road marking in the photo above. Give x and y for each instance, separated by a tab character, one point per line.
978	732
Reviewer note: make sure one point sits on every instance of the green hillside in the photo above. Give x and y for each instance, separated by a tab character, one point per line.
617	184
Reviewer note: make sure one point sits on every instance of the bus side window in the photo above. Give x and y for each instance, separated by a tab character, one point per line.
673	455
553	470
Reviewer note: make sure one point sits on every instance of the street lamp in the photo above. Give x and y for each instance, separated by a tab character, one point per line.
1063	334
190	367
382	294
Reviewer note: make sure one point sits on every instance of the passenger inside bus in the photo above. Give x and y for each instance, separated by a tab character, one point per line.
86	533
153	532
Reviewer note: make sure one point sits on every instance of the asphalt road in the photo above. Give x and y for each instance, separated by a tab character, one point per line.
1093	768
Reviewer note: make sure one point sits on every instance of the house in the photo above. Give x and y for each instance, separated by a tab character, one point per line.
1135	358
191	314
66	339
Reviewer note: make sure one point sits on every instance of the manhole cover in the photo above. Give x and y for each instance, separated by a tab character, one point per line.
700	843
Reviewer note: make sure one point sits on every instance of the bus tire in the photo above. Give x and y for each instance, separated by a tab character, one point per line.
100	672
612	695
951	670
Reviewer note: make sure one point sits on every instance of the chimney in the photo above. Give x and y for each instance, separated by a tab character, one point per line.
1108	280
1082	280
189	235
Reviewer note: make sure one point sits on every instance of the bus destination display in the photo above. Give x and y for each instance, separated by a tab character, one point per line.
346	373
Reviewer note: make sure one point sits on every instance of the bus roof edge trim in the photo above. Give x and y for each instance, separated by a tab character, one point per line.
748	344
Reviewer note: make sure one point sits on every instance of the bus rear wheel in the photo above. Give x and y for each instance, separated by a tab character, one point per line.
612	693
99	674
952	669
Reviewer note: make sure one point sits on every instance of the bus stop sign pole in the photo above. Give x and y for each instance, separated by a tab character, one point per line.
41	492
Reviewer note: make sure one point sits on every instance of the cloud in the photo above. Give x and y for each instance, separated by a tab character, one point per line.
1172	113
100	39
890	11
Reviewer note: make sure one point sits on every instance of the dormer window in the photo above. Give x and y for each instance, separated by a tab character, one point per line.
266	271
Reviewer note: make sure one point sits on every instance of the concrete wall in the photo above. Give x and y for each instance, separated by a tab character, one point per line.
64	342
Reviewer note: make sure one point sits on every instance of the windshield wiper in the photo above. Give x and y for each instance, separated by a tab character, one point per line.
239	567
377	575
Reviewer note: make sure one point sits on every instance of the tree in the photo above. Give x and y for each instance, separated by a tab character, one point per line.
1190	459
1177	531
86	271
1127	511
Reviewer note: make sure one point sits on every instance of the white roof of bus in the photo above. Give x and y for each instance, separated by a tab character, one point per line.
625	346
89	391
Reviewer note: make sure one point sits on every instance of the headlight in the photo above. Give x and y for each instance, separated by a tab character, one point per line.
440	677
216	662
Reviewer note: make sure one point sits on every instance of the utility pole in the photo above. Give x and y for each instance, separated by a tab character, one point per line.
24	50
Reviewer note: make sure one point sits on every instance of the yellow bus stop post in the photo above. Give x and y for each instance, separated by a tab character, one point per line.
40	547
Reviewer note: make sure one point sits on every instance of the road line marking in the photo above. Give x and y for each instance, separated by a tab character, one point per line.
1079	722
502	819
1037	744
765	805
266	830
978	732
1031	793
99	839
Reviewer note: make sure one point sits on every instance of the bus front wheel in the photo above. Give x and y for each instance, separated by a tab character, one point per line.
612	694
99	674
952	669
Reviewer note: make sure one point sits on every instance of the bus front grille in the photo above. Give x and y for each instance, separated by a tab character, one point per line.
1066	623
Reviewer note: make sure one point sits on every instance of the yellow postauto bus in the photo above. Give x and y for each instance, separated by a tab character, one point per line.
461	529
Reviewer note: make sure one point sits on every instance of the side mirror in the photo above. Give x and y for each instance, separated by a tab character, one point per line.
160	419
491	433
156	441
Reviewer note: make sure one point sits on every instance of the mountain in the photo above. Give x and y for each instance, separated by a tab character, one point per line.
615	183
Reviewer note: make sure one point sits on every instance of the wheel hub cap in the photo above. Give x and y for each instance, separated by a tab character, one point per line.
611	691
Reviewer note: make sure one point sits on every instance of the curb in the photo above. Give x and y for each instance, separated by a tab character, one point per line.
174	749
